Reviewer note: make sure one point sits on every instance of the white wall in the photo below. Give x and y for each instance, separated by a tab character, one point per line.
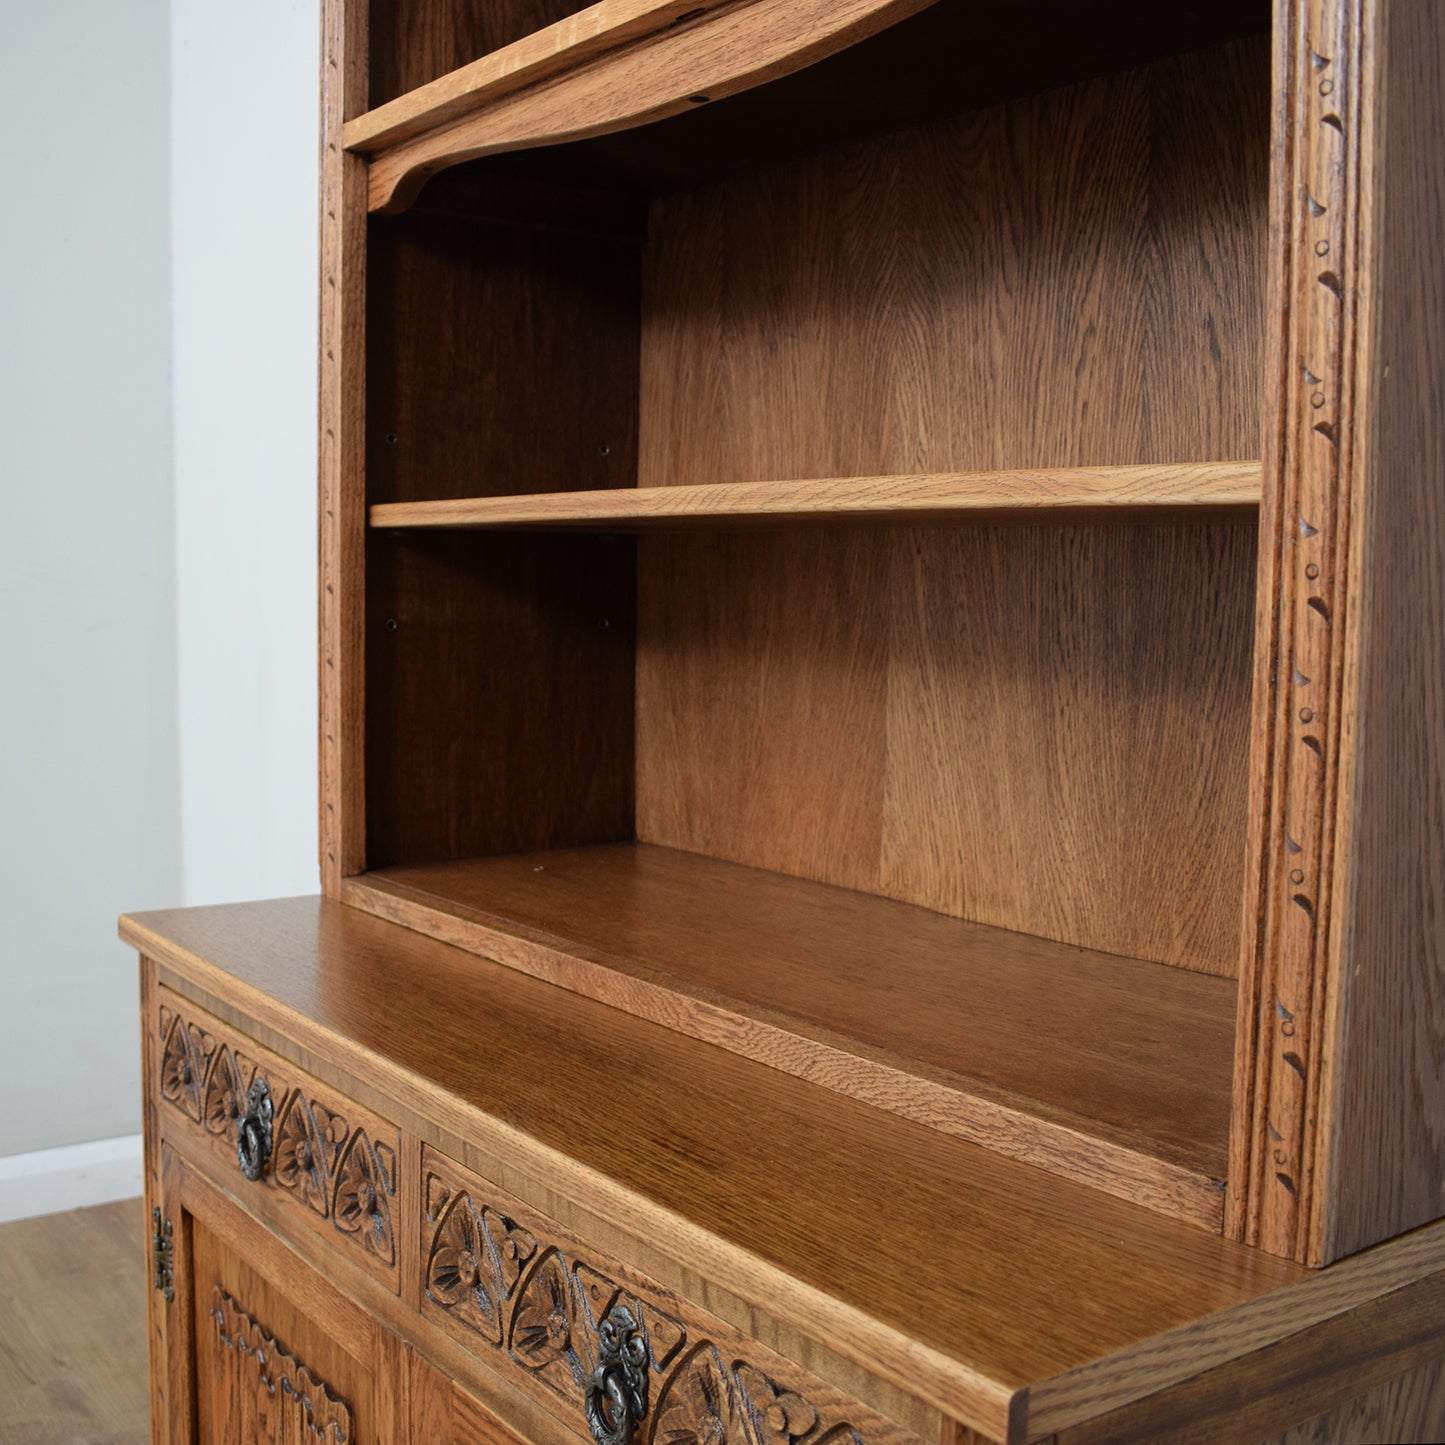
88	779
157	687
244	115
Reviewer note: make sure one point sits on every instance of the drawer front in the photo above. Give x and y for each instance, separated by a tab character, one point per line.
331	1165
505	1280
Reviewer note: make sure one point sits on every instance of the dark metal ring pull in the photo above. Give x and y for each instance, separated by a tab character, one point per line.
253	1131
617	1389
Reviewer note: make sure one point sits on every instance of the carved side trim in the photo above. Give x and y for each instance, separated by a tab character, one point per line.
499	1275
1287	973
305	1401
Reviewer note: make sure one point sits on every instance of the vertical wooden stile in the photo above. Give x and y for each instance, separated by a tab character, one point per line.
1336	1126
1286	970
342	479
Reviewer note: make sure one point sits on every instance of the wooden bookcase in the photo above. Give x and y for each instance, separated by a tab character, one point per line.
809	493
882	659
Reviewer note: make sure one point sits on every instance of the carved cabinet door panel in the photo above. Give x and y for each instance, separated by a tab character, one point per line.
260	1349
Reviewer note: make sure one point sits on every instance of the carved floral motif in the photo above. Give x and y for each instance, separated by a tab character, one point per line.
336	1173
542	1306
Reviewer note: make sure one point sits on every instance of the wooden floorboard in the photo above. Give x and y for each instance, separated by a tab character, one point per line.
72	1328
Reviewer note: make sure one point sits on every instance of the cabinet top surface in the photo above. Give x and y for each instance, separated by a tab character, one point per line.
991	1276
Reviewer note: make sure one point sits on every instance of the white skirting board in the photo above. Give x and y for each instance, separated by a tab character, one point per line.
50	1180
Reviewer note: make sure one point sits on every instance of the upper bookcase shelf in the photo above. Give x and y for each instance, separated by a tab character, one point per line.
619	64
1204	488
792	76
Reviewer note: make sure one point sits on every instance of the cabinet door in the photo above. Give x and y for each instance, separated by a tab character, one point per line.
257	1348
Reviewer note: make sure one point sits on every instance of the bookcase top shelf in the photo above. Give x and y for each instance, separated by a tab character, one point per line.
618	64
1192	489
1058	1055
791	76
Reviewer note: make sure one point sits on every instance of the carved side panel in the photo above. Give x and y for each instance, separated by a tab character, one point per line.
1301	727
333	1160
264	1394
502	1278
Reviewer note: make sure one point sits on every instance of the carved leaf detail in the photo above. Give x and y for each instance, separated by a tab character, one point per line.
225	1099
183	1067
459	1276
361	1207
549	1334
700	1404
301	1155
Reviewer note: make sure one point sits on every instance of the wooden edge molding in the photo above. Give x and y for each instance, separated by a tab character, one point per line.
1048	1138
1291	971
571	94
1191	488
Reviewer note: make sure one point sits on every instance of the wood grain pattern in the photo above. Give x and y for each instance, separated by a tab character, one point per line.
885	713
341	451
790	329
1067	1059
443	1413
772	1186
1071	279
1068	493
718	52
1339	1083
1410	1408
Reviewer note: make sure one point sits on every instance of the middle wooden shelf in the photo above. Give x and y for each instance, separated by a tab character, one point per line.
1206	489
1110	1070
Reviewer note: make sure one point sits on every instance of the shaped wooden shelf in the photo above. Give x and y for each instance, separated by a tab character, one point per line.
1104	1069
1209	489
618	64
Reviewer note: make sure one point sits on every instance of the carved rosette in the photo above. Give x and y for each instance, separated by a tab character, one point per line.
535	1301
277	1394
336	1172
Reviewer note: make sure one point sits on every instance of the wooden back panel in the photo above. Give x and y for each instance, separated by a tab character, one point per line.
1041	729
414	41
501	358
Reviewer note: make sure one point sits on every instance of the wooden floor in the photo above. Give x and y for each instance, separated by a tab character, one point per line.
72	1328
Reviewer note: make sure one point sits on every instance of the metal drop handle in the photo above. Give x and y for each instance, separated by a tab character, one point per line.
616	1397
253	1131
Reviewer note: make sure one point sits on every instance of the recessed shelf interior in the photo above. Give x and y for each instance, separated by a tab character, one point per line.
1025	744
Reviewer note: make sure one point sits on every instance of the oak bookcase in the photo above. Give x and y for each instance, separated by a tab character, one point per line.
881	584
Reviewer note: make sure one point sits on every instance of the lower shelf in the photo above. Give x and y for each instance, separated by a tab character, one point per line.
1108	1070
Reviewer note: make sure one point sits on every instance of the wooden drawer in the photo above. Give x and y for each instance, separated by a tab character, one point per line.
332	1165
518	1288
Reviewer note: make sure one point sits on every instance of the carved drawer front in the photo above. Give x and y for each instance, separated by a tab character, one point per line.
556	1317
328	1164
